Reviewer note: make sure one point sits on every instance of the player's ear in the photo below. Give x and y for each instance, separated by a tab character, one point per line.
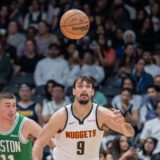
73	92
93	92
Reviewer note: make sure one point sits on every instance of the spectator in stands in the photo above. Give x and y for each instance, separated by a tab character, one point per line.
26	106
125	64
34	16
90	68
9	50
71	50
58	101
30	35
105	53
117	39
102	154
110	28
157	59
129	36
4	18
121	16
141	78
136	100
48	90
148	110
121	150
127	108
14	36
152	129
138	22
15	13
156	81
5	66
147	149
150	67
28	62
109	146
146	35
44	38
53	67
155	19
52	11
129	8
74	64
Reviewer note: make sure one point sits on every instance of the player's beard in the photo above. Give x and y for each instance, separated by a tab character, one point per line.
83	101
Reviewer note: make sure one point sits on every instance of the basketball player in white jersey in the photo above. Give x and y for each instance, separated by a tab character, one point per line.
77	128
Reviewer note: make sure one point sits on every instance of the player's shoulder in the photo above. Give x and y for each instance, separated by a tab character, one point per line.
101	108
61	111
28	123
103	111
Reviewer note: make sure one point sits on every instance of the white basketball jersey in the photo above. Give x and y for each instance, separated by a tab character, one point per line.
79	140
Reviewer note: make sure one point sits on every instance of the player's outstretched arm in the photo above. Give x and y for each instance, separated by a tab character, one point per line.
55	124
115	121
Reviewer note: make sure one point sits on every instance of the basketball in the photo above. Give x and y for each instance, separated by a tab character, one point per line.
74	24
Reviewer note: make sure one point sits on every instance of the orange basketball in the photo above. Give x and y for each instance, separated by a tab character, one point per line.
74	24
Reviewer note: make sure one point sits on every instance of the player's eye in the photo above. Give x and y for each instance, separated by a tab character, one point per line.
80	86
88	86
7	105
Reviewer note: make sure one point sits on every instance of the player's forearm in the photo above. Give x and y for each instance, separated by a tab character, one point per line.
37	152
127	130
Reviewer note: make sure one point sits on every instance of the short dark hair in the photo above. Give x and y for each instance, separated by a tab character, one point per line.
88	79
152	86
127	78
127	89
59	85
54	45
7	95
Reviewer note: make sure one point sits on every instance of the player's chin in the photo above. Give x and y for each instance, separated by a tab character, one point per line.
83	101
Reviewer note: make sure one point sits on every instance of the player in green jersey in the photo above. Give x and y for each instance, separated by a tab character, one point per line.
16	131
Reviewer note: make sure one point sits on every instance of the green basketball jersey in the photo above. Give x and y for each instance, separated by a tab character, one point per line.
12	144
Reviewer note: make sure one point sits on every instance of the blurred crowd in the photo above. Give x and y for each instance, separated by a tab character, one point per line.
121	52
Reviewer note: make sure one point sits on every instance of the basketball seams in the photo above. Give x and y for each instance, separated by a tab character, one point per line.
71	24
63	18
73	32
74	24
70	33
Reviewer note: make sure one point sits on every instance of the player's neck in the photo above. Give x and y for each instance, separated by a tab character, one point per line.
81	110
6	124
